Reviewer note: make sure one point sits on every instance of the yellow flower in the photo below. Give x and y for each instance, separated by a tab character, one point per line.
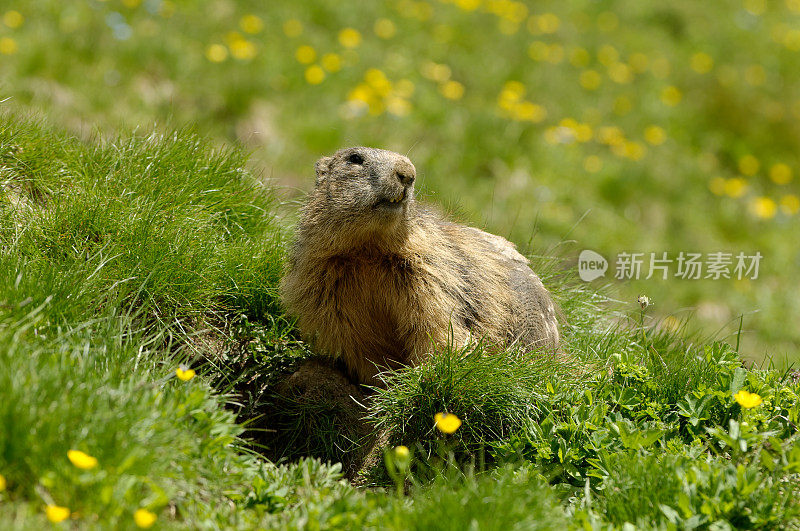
633	150
376	79
216	53
756	7
590	79
378	82
610	135
620	73
8	46
56	513
243	49
763	207
671	95
292	28
13	19
541	51
420	10
548	23
747	399
583	132
305	55
436	72
332	62
362	92
398	106
569	123
468	5
792	40
655	135
349	38
639	62
780	173
735	187
790	204
579	57
314	75
701	62
452	90
528	111
592	164
251	24
447	422
749	165
81	459
384	28
717	185
607	55
404	88
167	9
514	89
184	374
558	135
3	483
401	452
144	518
507	100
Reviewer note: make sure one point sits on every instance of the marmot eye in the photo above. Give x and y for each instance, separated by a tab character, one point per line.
355	158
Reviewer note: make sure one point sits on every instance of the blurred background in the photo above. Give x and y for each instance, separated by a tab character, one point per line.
616	126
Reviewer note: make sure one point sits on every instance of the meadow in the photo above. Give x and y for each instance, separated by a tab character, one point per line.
152	154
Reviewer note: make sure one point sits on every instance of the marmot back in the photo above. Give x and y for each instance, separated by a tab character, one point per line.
374	277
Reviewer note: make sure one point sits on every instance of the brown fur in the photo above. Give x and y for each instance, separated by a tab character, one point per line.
375	282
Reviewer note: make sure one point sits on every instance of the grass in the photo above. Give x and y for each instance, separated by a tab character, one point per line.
650	485
129	249
493	394
126	259
162	220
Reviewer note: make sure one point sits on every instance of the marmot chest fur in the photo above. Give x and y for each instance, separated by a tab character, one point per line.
375	277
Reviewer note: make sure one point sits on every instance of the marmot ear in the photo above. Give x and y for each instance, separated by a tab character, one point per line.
322	167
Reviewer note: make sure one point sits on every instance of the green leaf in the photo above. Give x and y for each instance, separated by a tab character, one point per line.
737	382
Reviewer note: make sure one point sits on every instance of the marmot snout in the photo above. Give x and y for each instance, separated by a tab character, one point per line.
374	277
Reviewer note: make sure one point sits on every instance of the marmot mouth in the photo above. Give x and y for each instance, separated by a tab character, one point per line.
396	202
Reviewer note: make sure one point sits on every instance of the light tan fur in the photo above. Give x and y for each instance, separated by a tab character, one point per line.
375	282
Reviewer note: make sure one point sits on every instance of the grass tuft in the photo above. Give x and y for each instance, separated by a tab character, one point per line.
492	393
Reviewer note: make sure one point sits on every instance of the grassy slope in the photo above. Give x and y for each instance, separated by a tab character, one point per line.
107	249
113	257
118	256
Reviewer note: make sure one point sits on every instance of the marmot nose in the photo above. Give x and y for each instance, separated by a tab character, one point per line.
405	172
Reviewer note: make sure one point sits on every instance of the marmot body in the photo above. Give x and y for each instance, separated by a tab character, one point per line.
374	277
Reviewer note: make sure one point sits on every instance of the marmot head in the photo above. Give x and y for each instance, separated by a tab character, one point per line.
371	187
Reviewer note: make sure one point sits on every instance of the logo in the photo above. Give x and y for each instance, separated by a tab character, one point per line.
688	265
591	265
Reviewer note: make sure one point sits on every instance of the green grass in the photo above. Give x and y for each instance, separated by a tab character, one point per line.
494	394
683	490
128	249
165	221
124	259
